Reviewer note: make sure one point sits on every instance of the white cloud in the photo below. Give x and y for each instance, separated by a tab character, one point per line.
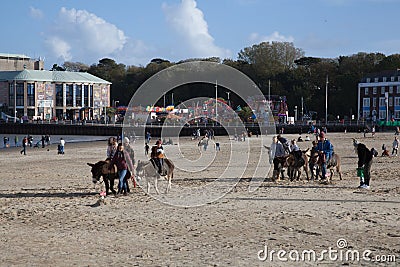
187	20
274	37
59	48
35	13
78	35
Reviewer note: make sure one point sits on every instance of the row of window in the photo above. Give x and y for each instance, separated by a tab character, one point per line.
384	79
381	115
19	98
382	101
383	90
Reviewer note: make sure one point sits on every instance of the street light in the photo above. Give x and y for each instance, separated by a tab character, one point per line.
326	100
15	101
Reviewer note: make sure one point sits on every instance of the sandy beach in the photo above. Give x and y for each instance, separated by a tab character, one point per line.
50	215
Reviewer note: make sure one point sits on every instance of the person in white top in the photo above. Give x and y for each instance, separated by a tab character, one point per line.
61	146
395	146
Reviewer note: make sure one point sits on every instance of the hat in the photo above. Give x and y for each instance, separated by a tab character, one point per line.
322	135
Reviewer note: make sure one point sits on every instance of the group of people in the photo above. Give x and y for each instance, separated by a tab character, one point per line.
395	145
281	147
122	156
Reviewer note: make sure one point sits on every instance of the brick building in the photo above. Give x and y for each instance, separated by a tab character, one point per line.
379	96
48	94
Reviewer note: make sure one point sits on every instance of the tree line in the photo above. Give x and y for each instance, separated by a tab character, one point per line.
278	67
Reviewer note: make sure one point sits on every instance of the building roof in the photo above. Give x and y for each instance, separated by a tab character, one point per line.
19	56
381	75
50	76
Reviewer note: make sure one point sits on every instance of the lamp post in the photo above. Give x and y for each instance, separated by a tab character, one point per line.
115	103
295	113
326	100
15	101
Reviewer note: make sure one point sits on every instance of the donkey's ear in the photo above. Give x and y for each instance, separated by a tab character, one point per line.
90	164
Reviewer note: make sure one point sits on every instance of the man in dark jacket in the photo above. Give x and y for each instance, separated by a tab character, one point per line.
365	157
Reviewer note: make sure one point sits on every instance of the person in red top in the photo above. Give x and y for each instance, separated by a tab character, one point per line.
122	160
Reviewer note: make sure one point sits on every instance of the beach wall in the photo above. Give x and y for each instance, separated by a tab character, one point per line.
114	130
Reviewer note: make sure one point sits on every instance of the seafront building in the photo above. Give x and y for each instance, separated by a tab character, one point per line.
32	93
379	96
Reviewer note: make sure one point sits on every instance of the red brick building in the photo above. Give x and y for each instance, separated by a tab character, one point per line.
379	96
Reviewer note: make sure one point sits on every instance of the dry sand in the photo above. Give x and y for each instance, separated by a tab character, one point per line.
49	214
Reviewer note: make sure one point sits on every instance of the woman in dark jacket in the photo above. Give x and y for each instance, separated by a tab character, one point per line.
364	160
121	159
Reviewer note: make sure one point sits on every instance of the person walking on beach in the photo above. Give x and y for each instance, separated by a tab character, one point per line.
146	149
277	155
5	141
24	145
325	148
395	146
121	159
62	145
364	162
16	140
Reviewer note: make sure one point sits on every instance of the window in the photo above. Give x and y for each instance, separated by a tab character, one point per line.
86	95
382	90
390	89
397	114
366	113
368	80
69	95
374	90
390	101
59	95
384	79
30	87
382	114
397	101
392	79
376	80
91	95
366	102
366	91
398	89
374	102
382	102
20	94
78	95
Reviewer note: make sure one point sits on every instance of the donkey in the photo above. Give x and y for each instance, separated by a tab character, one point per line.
100	169
295	161
147	169
333	163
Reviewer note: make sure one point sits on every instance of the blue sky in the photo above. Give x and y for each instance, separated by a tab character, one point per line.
133	32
